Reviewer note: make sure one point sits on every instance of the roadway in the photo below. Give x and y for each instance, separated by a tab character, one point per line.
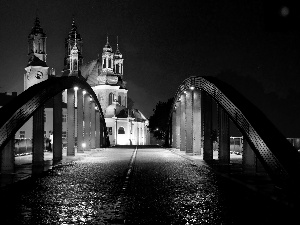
137	186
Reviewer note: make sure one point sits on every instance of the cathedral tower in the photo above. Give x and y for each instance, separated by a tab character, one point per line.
37	41
36	69
70	42
118	61
107	59
74	59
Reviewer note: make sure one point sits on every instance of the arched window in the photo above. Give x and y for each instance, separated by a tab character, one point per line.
117	68
121	130
111	98
109	63
104	63
119	99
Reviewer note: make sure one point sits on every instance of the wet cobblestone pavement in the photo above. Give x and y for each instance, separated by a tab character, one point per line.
128	186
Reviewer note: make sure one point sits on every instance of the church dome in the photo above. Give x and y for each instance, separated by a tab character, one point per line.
115	109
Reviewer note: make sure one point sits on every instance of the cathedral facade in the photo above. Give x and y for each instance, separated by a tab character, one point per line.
104	74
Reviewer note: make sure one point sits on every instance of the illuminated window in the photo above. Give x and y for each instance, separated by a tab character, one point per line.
64	118
111	97
64	134
121	130
22	133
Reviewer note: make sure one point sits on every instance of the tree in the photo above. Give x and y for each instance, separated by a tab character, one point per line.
158	122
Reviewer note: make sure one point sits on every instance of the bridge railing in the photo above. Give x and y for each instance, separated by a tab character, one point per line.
278	156
20	109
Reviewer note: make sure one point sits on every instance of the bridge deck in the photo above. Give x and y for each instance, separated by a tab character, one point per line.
260	183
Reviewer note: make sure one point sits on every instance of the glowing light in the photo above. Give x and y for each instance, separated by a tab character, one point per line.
91	99
284	11
184	92
75	88
84	92
83	145
192	87
96	107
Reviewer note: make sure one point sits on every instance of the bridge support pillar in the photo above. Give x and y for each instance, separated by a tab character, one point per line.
71	122
248	159
189	102
207	122
87	116
182	123
193	122
97	138
197	122
93	125
38	138
178	117
102	140
8	157
57	127
224	137
79	120
173	135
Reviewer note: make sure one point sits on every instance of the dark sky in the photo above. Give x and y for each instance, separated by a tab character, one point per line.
249	44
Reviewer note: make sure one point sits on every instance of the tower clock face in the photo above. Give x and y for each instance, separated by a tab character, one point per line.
39	75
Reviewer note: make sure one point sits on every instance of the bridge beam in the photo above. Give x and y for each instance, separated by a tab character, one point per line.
71	122
87	118
79	120
93	125
224	137
207	123
38	137
57	127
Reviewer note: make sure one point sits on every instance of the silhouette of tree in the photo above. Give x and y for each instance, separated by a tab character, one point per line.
158	122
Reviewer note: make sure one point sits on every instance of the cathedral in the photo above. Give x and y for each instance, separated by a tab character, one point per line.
125	126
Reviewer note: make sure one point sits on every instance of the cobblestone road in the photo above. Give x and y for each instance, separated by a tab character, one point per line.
128	186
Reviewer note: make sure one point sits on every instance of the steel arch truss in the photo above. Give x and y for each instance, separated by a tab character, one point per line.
280	159
15	114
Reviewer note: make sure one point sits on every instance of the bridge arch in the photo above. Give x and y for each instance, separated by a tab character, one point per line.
279	158
16	113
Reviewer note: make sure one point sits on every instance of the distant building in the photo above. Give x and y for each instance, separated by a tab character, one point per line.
6	97
105	76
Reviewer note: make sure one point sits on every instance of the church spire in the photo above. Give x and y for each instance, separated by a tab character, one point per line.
118	61
37	41
74	59
73	39
107	58
118	53
107	47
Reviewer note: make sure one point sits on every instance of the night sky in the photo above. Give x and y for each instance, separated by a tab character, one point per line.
253	45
